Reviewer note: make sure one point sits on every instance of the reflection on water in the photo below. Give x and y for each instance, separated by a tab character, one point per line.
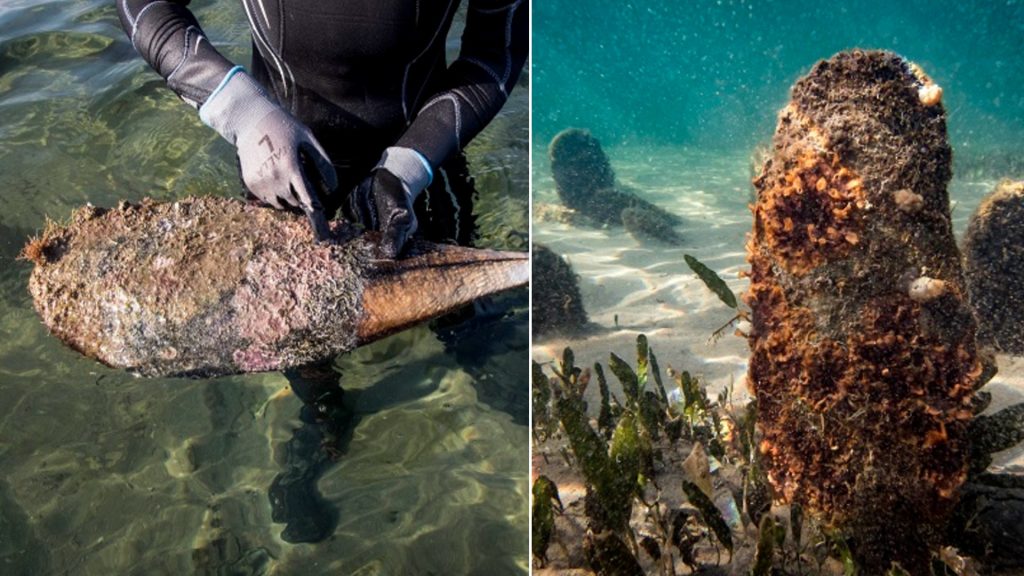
104	473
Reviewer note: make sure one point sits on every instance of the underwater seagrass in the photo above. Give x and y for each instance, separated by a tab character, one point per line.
863	356
211	286
993	248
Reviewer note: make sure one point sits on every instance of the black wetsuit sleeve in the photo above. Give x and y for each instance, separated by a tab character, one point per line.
494	48
168	37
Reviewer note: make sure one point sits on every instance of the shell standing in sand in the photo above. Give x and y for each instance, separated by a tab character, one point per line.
586	183
993	249
863	379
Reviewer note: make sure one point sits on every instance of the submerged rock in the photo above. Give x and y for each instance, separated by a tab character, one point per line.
557	305
863	377
211	286
993	248
586	182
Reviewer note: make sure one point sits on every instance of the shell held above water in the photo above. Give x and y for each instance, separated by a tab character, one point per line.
210	286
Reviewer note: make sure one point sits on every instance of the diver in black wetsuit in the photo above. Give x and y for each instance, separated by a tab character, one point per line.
352	106
354	98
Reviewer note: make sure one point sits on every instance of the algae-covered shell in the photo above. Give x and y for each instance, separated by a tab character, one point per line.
213	286
993	248
863	385
649	228
557	303
579	165
586	183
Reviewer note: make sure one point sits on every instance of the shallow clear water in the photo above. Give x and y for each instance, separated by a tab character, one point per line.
104	473
681	97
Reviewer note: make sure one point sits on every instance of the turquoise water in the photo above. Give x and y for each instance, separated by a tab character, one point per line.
713	73
104	473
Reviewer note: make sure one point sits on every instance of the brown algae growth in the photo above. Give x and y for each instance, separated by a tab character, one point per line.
863	356
210	286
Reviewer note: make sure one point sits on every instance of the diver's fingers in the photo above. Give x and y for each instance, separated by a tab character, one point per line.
328	175
364	209
321	231
310	204
274	202
394	240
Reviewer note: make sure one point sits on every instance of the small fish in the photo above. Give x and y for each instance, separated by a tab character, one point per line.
212	286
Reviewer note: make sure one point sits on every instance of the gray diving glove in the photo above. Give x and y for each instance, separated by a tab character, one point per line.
383	201
276	152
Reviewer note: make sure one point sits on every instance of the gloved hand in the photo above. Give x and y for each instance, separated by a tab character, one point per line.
275	151
383	201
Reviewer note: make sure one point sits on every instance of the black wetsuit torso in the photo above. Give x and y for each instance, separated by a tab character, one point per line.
357	73
363	74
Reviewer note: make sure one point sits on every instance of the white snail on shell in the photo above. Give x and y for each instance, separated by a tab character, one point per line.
744	327
930	94
925	289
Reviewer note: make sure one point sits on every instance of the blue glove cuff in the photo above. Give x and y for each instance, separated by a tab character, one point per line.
223	83
426	164
410	167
